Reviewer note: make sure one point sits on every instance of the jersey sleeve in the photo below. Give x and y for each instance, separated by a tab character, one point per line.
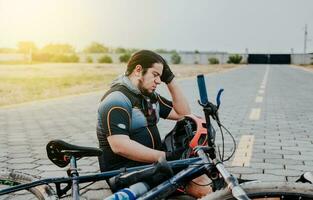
114	115
165	106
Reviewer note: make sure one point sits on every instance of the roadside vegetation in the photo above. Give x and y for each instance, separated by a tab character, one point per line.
55	70
213	61
24	83
235	59
308	67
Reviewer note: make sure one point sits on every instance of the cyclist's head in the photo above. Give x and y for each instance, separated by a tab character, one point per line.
145	69
145	58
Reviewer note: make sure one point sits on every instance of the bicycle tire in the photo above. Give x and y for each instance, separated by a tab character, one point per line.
42	192
264	190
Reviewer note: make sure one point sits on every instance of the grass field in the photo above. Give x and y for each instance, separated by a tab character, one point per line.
23	83
307	66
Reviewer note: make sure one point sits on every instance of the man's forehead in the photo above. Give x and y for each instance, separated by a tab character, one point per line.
156	67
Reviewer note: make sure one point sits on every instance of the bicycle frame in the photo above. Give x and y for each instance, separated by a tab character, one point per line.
177	164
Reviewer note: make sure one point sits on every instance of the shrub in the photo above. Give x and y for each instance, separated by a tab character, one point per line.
26	47
89	59
161	51
213	61
58	49
7	50
235	59
120	50
124	57
47	57
132	50
64	58
41	57
175	58
95	47
73	58
105	59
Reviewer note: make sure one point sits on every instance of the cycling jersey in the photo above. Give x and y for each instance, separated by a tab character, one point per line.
125	111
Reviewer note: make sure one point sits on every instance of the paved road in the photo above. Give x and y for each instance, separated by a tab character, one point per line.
267	108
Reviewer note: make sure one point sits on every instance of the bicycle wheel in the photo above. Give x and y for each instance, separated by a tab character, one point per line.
12	178
269	191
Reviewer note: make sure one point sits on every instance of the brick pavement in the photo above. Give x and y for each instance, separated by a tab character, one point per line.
283	135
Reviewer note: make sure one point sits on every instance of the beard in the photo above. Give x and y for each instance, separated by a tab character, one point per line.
142	89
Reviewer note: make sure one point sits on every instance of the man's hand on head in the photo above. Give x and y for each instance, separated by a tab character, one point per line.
167	75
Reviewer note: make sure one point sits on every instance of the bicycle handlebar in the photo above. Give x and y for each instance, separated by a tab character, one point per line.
202	90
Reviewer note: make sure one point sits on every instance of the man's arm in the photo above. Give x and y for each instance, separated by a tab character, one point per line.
180	103
124	146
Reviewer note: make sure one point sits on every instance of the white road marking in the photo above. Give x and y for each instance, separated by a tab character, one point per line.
258	99
261	91
255	114
264	81
244	151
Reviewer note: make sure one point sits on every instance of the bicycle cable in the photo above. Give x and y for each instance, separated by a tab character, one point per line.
81	188
234	142
201	184
223	146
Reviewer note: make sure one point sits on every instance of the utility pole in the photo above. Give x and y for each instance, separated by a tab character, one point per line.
305	37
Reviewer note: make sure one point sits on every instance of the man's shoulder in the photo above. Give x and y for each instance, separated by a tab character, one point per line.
116	99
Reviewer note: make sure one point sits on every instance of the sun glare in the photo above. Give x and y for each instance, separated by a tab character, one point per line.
42	21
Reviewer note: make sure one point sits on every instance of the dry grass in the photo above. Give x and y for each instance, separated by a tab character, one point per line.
306	67
23	83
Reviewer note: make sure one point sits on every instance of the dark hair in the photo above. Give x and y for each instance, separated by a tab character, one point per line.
145	58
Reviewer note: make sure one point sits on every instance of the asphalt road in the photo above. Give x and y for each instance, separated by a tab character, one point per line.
268	109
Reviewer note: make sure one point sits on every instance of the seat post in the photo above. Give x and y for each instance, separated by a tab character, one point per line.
74	173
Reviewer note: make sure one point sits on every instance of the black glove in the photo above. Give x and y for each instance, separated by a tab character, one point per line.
167	75
174	155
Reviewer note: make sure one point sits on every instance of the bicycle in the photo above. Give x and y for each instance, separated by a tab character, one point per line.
136	182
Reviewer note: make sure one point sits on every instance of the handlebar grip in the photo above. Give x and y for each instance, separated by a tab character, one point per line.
202	89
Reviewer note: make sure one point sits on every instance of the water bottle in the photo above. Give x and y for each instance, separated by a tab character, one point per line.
130	193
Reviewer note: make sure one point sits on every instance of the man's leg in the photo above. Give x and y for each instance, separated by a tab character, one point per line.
194	189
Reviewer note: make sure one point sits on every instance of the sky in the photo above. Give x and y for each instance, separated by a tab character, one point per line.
256	26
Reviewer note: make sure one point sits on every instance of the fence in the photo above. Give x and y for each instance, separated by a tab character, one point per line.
186	57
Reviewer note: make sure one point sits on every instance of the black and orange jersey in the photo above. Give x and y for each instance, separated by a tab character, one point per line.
118	115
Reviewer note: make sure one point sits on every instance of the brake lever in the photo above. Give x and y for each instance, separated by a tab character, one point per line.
218	97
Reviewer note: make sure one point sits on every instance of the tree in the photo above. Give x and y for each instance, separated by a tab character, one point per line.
26	47
196	57
58	49
125	57
213	61
95	47
89	59
235	59
161	51
105	59
176	59
120	50
132	50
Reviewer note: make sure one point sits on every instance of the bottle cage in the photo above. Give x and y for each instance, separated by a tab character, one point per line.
188	133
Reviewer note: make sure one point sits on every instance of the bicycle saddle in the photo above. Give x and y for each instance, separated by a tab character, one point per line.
59	152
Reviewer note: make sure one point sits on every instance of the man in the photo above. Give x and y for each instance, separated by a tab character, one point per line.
128	113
